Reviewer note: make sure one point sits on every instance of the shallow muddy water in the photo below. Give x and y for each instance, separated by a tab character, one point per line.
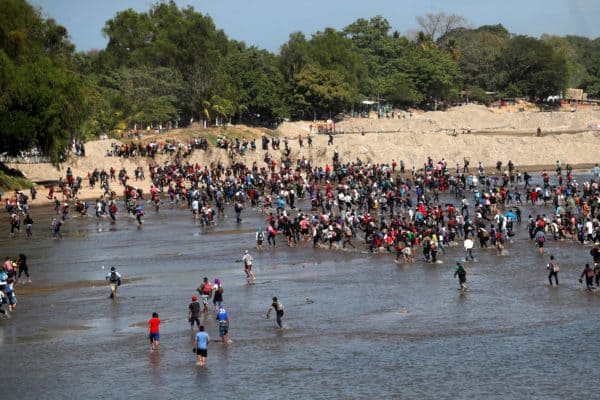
370	329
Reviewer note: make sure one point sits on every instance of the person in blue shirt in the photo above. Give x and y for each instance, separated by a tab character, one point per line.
201	342
280	205
540	238
139	213
223	319
512	215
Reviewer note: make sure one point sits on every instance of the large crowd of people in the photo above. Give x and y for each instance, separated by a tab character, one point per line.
354	204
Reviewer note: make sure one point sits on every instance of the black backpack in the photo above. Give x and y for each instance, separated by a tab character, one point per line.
114	278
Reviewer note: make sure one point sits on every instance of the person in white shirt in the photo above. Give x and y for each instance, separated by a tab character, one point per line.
468	244
115	281
247	260
589	227
195	208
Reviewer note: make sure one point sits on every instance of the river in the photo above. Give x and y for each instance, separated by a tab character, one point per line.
370	329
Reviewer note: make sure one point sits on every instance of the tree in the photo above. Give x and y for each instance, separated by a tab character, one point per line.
330	50
478	95
576	71
41	106
320	91
436	75
330	64
256	85
532	68
479	50
438	25
584	53
169	37
293	55
380	52
41	101
222	108
137	95
368	34
398	88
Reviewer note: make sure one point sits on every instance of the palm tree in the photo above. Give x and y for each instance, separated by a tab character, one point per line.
424	41
206	112
453	49
223	108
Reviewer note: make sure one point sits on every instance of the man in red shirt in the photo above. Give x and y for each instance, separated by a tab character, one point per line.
154	331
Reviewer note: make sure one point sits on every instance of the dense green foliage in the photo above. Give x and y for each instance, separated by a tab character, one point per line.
172	65
41	97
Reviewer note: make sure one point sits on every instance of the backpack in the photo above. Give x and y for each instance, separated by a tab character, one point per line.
207	288
114	278
261	236
541	239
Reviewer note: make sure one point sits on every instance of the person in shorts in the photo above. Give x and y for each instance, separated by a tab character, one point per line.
201	342
540	239
115	281
223	319
9	291
205	291
154	331
218	295
260	238
247	260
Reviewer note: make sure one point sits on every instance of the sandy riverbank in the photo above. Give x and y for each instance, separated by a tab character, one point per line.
412	139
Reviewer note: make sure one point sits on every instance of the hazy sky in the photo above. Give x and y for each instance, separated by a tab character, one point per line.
268	23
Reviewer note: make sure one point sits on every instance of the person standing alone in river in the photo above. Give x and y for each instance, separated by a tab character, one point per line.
23	267
278	307
247	260
462	276
154	331
554	268
588	274
115	281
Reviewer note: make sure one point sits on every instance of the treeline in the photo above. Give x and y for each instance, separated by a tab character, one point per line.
173	65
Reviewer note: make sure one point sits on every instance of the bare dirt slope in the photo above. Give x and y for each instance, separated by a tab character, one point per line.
565	137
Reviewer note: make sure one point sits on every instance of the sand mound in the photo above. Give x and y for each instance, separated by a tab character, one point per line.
411	137
478	118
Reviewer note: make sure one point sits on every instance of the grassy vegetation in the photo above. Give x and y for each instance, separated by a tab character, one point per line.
9	183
